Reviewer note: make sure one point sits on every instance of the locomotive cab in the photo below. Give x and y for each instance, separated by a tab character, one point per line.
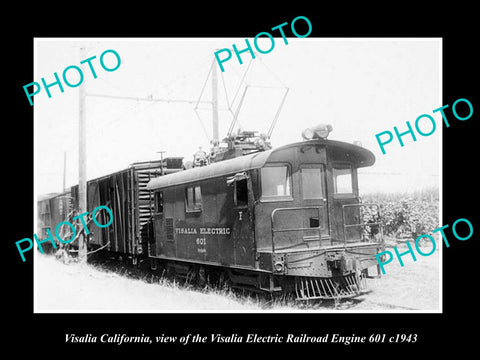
308	192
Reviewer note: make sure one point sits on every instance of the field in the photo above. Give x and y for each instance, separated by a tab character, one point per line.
407	215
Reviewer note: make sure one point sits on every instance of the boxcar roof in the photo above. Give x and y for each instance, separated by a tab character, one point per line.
339	151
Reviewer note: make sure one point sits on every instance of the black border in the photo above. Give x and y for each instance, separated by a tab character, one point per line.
44	332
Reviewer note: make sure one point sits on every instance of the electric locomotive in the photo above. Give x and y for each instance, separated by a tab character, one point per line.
283	220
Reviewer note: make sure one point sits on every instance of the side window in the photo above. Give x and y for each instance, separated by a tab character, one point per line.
193	199
241	193
275	183
158	197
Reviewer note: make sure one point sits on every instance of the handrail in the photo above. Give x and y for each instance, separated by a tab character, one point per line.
345	226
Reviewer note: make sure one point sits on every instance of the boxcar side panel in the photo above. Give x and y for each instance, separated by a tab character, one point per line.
93	200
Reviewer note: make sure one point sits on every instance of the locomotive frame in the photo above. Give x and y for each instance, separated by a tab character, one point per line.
284	220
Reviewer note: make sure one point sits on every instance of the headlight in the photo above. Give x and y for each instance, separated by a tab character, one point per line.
317	132
279	266
308	134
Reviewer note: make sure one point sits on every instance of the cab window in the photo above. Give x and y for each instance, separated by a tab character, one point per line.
342	180
275	183
312	183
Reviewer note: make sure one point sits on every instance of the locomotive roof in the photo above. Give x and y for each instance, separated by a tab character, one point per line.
338	151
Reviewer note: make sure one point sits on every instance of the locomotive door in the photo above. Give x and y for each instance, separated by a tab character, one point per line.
314	201
242	231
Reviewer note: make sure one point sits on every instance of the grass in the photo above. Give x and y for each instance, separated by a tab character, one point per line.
113	287
246	298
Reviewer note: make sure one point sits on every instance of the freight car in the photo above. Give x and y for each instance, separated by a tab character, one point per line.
284	220
125	193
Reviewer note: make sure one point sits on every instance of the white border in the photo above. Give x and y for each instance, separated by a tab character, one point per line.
319	311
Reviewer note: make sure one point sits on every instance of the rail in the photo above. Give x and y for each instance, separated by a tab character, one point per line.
319	227
364	224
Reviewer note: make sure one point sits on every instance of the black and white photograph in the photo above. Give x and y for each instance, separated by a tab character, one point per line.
247	187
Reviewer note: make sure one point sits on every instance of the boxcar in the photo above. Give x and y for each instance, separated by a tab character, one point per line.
52	209
125	193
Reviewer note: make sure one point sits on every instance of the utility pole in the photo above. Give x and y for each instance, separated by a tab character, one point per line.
214	104
82	164
161	152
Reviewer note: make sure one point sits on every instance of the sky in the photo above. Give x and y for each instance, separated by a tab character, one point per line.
360	86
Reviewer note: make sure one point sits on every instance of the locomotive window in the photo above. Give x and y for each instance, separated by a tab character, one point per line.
193	198
275	182
159	202
342	181
312	183
241	193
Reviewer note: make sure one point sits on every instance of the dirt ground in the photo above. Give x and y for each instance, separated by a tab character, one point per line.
415	286
74	287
